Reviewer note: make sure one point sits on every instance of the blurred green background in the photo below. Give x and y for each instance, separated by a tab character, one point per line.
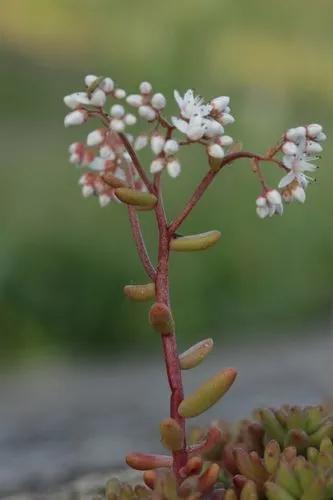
64	260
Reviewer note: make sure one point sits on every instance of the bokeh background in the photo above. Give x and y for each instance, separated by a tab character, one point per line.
64	260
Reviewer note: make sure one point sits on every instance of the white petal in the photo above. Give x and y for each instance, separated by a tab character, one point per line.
287	179
117	111
226	140
107	85
75	118
261	201
180	124
87	191
289	148
220	103
95	137
117	125
104	200
262	212
98	98
147	113
227	119
140	142
299	194
314	129
145	87
89	80
97	164
178	98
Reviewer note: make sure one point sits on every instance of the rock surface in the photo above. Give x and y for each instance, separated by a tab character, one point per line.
62	421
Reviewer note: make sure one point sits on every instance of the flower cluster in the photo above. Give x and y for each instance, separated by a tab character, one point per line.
204	121
111	149
300	147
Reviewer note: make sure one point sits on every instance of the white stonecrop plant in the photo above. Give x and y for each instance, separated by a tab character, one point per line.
111	149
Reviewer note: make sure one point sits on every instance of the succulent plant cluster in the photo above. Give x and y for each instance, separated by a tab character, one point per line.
281	454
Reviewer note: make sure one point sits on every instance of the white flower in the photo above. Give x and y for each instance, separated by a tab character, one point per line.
157	143
191	105
75	118
298	154
158	101
215	151
171	147
269	204
157	165
173	168
194	129
95	137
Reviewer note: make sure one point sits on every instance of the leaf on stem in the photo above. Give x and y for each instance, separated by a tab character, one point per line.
195	242
195	354
172	435
161	319
207	394
140	293
136	198
147	461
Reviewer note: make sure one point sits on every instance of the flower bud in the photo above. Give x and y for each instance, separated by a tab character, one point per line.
314	129
215	151
313	148
226	140
107	85
173	168
171	147
298	194
75	118
90	79
147	112
157	165
96	137
274	197
157	143
98	98
104	200
220	103
117	125
87	190
227	119
117	111
135	100
158	101
119	93
145	88
140	142
289	148
130	119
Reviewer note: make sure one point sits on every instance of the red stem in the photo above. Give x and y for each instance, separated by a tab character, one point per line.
139	242
169	340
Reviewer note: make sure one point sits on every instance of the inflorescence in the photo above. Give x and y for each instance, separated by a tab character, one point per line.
107	150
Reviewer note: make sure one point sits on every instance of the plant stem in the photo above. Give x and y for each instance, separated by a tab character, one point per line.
169	340
140	244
